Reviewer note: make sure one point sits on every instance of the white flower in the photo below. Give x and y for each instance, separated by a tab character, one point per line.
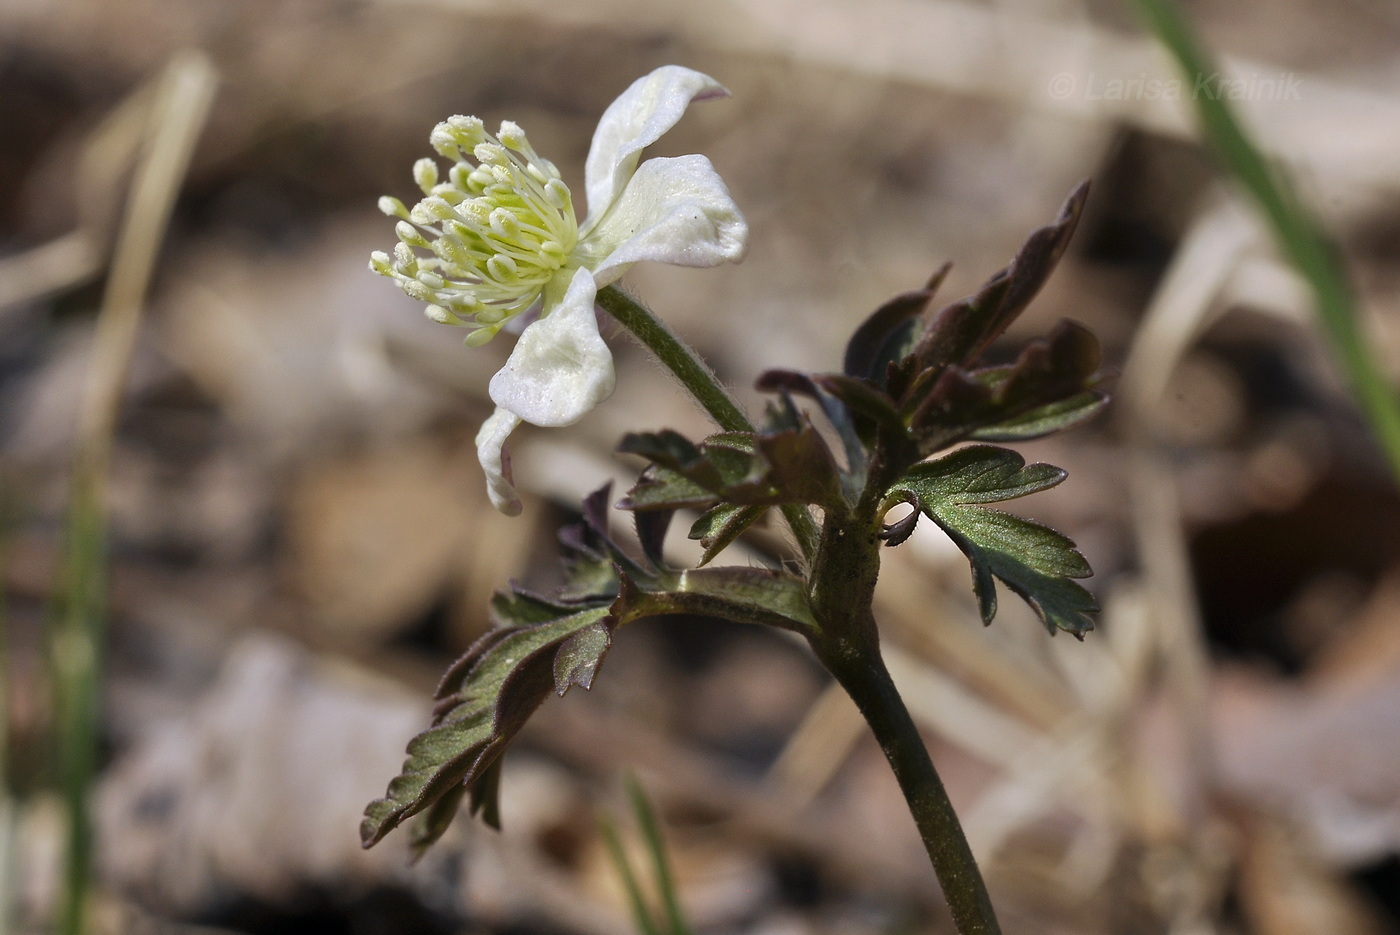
496	238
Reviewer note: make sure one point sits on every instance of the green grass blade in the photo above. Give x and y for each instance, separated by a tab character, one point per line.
75	653
641	915
176	114
661	865
1299	234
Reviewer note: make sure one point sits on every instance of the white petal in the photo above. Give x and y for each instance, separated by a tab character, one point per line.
639	116
672	211
560	368
495	460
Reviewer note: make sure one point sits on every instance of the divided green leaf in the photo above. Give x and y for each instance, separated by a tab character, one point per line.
484	700
738	468
1034	561
541	645
745	595
721	525
1045	420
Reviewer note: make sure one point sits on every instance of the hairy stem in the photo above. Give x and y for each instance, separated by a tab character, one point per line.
695	375
848	645
700	381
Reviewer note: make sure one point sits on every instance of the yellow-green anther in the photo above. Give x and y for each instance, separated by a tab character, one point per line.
443	144
476	211
469	129
410	235
491	154
504	224
512	137
437	208
425	173
452	250
478	179
393	207
481	335
455	134
557	194
502	268
499	230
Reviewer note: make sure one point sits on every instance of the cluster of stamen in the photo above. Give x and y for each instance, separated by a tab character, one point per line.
482	244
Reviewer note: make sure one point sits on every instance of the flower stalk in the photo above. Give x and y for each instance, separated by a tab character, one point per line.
700	381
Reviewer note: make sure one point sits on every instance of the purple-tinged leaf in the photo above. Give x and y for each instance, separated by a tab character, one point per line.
891	332
577	660
1024	396
666	448
476	719
436	818
864	398
486	795
660	488
652	526
743	469
901	529
791	381
960	332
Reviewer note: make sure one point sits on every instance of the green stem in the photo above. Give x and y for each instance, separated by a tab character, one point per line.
1299	235
861	671
656	336
646	326
848	645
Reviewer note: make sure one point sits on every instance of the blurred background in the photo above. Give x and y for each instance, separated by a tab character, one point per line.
300	540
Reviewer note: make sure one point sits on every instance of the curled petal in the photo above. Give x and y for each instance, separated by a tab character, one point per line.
495	460
560	368
672	211
638	117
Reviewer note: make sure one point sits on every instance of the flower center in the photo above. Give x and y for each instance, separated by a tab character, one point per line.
482	245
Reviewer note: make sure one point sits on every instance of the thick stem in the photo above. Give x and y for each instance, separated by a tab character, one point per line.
700	381
861	671
848	644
